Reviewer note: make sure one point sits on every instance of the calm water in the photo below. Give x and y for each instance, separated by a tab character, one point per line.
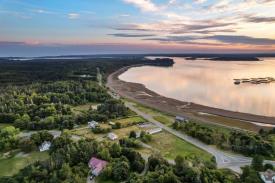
211	83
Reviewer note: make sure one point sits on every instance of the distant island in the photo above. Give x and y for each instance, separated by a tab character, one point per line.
235	58
226	58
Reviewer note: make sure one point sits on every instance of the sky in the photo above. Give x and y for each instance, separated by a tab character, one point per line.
69	27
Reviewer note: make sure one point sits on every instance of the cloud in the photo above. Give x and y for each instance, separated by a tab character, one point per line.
144	5
73	15
222	39
233	39
41	11
132	35
10	43
200	1
172	27
258	19
173	38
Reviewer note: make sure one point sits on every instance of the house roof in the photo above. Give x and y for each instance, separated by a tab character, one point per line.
112	135
97	165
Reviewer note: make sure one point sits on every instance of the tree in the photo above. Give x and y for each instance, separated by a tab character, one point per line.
257	163
115	150
40	137
249	175
134	178
268	166
132	134
105	154
121	169
155	161
8	138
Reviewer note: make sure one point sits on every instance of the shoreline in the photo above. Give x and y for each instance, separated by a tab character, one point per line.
140	94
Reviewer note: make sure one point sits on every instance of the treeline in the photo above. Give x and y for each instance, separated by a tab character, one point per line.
48	106
238	141
68	163
8	138
49	70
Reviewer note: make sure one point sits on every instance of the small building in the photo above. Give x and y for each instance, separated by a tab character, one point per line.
181	119
92	124
45	146
268	176
153	131
138	133
97	165
145	125
111	123
112	136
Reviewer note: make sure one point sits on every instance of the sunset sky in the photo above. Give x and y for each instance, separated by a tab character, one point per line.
56	27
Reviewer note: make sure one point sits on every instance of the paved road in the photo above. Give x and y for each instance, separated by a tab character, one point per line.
223	159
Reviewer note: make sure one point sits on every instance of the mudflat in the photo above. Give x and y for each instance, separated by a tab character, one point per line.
140	94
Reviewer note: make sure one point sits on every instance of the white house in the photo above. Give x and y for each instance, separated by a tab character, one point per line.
112	136
45	146
268	176
153	131
92	124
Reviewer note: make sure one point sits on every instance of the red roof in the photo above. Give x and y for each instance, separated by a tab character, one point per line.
97	165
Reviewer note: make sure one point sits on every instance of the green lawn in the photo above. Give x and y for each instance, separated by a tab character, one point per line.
133	119
170	146
161	117
83	108
164	120
11	166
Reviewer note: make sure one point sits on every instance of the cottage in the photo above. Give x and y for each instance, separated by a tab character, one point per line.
112	136
45	146
153	131
97	165
92	124
268	176
181	119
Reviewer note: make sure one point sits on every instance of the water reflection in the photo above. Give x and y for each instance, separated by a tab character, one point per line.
211	83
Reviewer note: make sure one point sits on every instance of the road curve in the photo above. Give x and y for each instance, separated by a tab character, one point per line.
223	159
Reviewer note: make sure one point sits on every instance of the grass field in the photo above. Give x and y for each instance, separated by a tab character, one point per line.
129	120
157	115
83	108
170	146
164	119
10	166
86	133
232	122
124	132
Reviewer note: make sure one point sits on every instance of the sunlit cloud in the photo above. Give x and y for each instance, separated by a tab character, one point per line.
144	5
171	24
131	35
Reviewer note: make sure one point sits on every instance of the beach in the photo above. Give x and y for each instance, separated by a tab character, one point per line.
140	94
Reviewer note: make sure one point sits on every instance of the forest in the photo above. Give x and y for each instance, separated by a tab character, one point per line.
68	163
247	143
